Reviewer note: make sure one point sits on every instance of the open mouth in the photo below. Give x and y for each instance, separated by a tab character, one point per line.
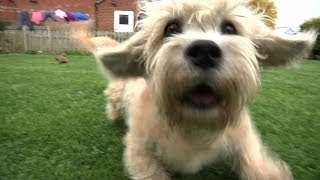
201	96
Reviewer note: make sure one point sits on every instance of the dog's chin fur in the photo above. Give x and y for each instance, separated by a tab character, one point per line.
181	117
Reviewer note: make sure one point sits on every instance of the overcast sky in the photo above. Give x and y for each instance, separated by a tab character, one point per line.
293	13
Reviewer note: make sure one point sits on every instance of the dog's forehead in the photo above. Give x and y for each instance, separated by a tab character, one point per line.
198	15
187	8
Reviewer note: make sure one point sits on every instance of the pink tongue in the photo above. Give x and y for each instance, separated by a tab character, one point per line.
202	98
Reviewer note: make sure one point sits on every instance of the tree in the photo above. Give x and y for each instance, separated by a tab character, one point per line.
313	23
268	8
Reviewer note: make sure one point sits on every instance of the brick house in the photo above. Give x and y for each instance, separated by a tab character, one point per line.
108	15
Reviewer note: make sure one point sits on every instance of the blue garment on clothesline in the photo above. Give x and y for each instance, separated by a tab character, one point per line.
80	16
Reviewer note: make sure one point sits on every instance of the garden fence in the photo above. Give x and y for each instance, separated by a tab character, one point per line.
48	40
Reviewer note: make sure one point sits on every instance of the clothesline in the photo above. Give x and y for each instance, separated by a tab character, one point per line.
38	17
15	9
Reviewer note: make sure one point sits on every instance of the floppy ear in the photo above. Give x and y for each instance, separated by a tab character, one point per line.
278	49
124	60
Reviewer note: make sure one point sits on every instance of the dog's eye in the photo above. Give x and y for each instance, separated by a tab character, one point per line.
173	27
228	28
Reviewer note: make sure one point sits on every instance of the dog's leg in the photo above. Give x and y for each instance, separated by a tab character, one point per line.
115	105
139	160
120	94
251	158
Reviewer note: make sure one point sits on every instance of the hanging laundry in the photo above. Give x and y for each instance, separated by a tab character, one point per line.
61	14
49	14
70	17
36	17
80	16
24	19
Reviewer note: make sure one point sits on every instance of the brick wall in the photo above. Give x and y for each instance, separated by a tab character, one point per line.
102	14
106	10
7	11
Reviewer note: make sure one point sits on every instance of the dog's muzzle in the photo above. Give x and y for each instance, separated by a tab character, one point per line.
204	54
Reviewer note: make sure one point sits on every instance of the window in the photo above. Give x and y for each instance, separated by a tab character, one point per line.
124	19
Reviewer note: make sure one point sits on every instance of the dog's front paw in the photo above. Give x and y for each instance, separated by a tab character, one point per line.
281	172
269	171
157	175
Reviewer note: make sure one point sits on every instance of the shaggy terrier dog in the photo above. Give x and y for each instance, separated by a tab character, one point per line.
184	81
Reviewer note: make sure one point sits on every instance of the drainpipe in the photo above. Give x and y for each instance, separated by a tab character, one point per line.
114	2
96	10
96	16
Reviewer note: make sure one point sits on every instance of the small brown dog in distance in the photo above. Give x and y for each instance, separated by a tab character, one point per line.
62	58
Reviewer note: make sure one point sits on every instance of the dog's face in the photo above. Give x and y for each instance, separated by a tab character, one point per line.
201	58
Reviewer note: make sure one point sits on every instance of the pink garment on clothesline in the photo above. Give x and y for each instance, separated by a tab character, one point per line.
61	14
36	17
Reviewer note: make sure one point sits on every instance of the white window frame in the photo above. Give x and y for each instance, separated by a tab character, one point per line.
121	27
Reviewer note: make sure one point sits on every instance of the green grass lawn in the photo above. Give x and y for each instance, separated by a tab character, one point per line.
53	126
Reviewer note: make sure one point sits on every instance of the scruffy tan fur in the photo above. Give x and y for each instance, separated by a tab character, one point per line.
93	43
151	75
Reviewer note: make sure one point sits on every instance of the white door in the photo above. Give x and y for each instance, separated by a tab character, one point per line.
123	21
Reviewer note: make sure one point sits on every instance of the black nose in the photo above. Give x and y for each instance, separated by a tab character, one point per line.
204	54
